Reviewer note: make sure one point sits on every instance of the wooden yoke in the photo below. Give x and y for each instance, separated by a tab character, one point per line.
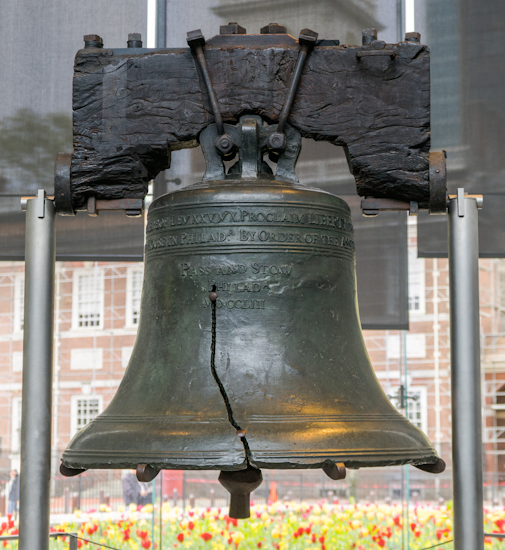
133	106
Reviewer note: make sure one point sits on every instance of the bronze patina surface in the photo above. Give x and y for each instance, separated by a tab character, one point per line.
289	354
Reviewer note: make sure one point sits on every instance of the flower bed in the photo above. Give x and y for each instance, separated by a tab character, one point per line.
281	526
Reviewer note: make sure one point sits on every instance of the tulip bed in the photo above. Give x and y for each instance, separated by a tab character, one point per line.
281	526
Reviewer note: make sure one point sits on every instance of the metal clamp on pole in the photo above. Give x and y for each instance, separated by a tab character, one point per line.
465	372
37	374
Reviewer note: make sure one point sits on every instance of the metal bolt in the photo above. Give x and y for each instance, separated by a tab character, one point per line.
308	37
413	37
274	28
241	433
224	144
368	36
134	40
277	141
232	28
213	296
93	41
195	38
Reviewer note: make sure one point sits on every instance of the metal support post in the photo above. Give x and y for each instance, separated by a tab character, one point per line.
37	374
465	373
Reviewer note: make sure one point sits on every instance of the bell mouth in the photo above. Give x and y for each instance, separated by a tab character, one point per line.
293	442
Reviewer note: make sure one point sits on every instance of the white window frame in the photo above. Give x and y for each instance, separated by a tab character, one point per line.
19	295
16	425
394	346
422	402
129	313
17	361
95	362
93	272
74	400
417	278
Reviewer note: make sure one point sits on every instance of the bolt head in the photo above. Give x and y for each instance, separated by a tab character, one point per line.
277	141
195	38
213	296
224	144
368	36
273	28
134	36
308	37
413	37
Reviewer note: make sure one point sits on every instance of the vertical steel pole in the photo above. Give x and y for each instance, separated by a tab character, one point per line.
465	373
37	374
161	23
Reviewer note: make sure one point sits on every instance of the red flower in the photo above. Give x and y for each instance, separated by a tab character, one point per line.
142	534
381	543
230	540
313	537
307	530
413	526
180	537
191	526
79	543
146	543
417	533
439	534
206	536
397	521
321	540
259	545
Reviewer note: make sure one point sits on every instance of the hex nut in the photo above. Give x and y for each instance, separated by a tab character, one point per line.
368	36
224	144
93	41
232	28
274	28
413	37
134	40
277	141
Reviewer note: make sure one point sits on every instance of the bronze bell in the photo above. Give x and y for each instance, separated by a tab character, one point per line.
249	352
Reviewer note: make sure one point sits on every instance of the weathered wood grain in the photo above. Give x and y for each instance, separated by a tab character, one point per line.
131	107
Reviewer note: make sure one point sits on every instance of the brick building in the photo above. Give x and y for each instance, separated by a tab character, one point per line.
96	315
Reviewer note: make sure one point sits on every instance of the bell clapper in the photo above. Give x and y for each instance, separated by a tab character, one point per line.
241	484
335	471
70	472
146	473
436	468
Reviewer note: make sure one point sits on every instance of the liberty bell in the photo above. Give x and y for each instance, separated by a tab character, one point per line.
249	351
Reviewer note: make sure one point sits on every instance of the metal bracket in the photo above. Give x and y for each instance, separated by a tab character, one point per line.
371	206
251	139
461	196
41	202
133	208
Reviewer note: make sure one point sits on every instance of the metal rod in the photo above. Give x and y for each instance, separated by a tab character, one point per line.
37	374
300	62
161	23
465	373
218	119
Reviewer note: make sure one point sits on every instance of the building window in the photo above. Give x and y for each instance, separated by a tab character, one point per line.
16	425
19	302
134	279
126	353
84	409
17	361
417	411
416	346
86	359
417	288
87	299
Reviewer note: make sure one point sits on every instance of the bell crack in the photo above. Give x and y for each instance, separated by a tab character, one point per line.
224	395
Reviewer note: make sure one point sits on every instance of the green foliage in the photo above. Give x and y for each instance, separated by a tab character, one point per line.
29	143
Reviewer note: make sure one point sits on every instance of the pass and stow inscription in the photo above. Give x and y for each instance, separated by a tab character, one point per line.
246	286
